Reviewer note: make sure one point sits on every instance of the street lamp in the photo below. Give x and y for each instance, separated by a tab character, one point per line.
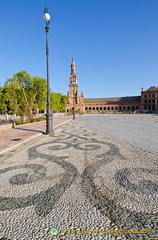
73	109
49	114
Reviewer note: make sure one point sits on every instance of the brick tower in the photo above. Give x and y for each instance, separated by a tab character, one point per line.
73	86
75	100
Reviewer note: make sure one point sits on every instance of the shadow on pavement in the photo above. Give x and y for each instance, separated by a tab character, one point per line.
31	130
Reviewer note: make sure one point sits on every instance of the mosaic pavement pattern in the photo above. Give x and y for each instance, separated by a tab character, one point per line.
82	182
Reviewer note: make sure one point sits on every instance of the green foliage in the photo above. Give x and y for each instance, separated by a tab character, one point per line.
38	119
25	95
64	101
39	88
3	106
21	121
58	102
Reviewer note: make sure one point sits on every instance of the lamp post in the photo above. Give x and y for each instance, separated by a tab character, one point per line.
73	109
74	105
49	114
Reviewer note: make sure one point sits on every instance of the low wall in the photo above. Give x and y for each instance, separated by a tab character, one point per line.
6	126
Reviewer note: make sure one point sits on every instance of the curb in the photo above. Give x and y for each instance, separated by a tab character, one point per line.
27	139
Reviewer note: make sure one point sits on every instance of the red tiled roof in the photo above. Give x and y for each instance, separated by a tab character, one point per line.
151	89
115	99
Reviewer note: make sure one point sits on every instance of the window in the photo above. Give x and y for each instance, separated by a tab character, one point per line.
100	108
104	108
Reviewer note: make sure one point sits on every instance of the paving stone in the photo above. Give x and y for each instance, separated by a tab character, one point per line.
140	130
78	180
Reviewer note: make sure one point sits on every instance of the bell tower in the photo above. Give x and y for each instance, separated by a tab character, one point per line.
73	85
76	101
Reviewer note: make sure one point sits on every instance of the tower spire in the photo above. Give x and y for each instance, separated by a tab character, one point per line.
73	66
73	78
75	102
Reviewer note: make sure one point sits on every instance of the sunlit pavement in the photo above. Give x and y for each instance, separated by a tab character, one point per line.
22	133
140	130
82	182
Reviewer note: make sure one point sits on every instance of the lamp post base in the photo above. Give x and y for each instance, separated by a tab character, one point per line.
49	123
73	113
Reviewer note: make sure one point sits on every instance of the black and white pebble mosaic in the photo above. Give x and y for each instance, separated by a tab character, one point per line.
53	183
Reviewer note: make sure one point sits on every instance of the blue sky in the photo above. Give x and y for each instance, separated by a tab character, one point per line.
114	42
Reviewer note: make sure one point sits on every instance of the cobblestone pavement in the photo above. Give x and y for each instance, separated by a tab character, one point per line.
140	130
83	182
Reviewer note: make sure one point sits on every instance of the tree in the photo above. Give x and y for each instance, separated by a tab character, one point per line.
39	91
58	102
11	95
3	105
64	101
25	93
17	93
